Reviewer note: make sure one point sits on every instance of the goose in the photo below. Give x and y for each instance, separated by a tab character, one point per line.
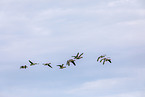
31	63
47	64
61	66
70	60
23	67
78	56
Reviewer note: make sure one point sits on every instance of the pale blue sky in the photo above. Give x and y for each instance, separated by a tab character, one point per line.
54	30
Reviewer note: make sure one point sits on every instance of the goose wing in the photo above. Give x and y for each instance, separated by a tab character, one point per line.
109	60
77	54
98	58
73	63
104	61
59	65
49	65
81	54
31	62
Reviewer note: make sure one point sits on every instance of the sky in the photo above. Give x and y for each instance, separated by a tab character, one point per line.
52	31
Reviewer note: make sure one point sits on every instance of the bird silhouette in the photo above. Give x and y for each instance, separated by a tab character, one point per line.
31	63
105	59
100	57
61	66
70	61
23	67
47	64
78	56
109	60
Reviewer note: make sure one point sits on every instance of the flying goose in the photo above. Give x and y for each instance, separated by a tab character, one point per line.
61	66
23	67
70	60
78	56
47	64
31	63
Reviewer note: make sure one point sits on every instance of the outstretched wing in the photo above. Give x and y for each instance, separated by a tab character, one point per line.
26	66
81	54
109	60
63	66
77	54
73	63
31	62
49	65
104	62
98	58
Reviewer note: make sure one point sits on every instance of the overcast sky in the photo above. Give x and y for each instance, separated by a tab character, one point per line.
54	30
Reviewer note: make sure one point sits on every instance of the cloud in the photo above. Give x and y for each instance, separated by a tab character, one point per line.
134	23
119	87
120	2
129	94
101	85
23	92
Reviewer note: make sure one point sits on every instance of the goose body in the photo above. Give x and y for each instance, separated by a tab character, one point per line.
23	67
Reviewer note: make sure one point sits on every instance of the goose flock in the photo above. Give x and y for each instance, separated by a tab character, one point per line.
100	59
